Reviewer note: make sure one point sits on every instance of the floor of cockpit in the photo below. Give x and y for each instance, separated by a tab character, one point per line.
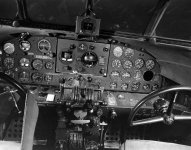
46	133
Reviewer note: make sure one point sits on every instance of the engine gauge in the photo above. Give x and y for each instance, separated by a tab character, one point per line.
129	52
116	63
10	73
135	86
115	75
126	75
24	62
139	63
150	64
117	52
9	62
9	48
49	65
37	77
127	64
25	45
24	76
137	75
44	46
37	64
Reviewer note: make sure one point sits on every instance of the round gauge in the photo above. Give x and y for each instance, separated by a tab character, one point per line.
127	64
37	64
117	52
9	48
24	62
135	86
129	52
48	78
115	75
126	75
9	62
116	63
10	73
89	59
44	46
24	76
124	86
137	75
49	65
139	63
150	64
25	45
37	77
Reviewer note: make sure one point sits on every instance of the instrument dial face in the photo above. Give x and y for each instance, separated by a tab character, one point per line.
135	86
24	62
129	52
150	64
37	64
127	64
37	77
49	65
137	75
115	75
44	46
117	52
9	62
89	59
9	48
116	63
139	63
24	76
126	75
25	45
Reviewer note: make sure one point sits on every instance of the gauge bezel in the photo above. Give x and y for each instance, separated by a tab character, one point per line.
22	48
146	64
12	46
117	51
129	62
142	63
43	50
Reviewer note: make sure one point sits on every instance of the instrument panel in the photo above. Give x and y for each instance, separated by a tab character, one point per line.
88	70
133	70
48	60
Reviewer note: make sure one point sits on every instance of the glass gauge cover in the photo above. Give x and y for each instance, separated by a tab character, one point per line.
9	62
117	52
150	64
129	52
139	63
116	63
37	64
126	75
44	46
24	62
37	77
9	48
137	75
127	64
115	75
25	45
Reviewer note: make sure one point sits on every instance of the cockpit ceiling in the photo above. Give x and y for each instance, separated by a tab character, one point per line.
123	15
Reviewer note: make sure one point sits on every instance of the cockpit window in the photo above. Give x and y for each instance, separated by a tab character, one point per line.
62	12
8	9
176	21
118	15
